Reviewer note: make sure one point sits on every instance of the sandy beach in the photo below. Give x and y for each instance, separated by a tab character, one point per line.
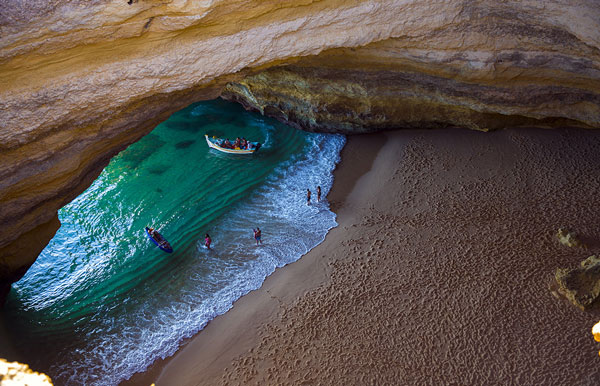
438	273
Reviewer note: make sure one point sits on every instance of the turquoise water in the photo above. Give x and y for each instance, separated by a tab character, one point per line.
102	302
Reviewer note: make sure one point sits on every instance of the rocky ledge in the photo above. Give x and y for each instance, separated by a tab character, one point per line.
581	285
81	80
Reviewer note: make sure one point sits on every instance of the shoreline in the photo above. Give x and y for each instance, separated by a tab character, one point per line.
437	272
261	304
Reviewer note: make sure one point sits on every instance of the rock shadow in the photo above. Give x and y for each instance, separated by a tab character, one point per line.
135	154
157	169
592	242
184	144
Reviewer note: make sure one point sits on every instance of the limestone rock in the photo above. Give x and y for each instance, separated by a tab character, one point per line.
390	85
17	374
581	286
81	80
568	239
596	332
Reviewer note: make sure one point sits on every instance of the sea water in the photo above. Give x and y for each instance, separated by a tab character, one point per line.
103	302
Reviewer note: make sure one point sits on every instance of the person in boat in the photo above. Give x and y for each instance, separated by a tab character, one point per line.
227	144
257	235
207	241
237	142
158	237
244	143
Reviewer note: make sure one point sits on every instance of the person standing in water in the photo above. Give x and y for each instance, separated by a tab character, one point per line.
257	235
307	196
318	194
207	241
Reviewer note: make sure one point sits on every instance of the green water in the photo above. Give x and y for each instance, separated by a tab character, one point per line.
102	302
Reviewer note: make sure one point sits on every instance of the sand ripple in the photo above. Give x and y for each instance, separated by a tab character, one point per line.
440	272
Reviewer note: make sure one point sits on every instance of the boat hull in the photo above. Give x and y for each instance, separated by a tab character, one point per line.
215	146
166	248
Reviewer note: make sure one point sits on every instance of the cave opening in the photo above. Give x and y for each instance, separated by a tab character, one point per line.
101	282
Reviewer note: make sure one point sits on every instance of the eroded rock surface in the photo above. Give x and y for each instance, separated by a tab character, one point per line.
81	80
438	80
581	285
16	374
568	239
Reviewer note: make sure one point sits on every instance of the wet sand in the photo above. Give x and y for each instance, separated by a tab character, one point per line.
438	273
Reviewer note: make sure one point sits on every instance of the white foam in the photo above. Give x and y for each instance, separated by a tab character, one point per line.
218	277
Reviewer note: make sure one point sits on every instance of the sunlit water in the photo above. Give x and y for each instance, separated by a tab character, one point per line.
102	302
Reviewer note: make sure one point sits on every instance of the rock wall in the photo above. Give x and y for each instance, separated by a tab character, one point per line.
81	80
540	77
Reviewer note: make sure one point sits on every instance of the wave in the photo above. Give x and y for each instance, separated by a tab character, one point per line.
103	303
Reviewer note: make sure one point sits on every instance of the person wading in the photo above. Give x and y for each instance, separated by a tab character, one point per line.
257	235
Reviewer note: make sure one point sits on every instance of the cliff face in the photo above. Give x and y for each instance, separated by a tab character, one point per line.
83	79
524	73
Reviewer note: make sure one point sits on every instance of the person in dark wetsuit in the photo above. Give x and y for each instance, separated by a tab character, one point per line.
308	196
318	194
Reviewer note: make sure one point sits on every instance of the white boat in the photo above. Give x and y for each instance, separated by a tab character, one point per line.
217	144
